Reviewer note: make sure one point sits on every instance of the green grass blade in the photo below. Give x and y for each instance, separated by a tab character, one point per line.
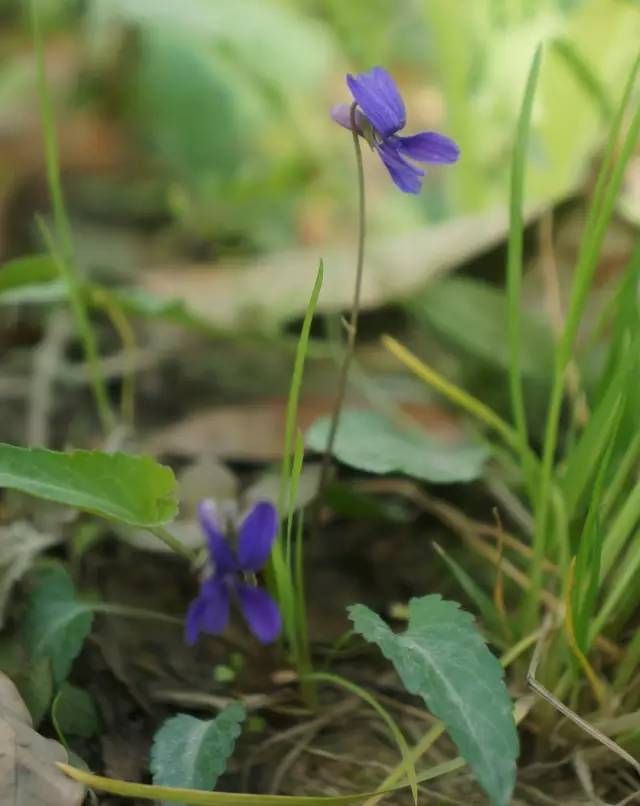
63	256
514	261
294	480
629	664
296	384
584	459
625	466
453	393
624	582
304	662
605	197
620	529
584	76
598	219
194	797
281	574
589	556
481	600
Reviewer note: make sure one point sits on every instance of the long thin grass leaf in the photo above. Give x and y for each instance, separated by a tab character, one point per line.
514	262
453	393
477	595
607	188
584	75
60	247
280	570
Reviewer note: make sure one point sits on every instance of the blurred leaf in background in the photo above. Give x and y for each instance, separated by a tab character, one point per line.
225	93
483	55
222	105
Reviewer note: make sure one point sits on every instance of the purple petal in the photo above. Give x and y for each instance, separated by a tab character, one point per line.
428	147
260	611
407	177
257	533
219	550
341	113
209	612
379	99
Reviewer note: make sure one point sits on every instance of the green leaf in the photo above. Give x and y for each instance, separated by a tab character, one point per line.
584	76
139	302
475	592
35	685
368	441
472	315
443	658
131	489
74	712
31	279
20	544
27	271
56	622
193	753
38	288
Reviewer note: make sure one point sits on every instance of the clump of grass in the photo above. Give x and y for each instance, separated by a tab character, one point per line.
582	492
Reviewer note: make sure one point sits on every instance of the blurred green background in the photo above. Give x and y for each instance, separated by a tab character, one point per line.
207	120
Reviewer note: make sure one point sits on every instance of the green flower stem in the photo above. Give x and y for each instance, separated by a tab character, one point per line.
352	326
172	542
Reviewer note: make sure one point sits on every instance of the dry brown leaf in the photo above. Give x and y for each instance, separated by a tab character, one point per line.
28	775
255	432
276	287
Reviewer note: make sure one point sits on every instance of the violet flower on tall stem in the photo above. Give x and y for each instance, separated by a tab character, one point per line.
377	114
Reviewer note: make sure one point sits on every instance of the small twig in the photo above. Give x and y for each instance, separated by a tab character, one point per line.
511	503
583	774
546	695
337	712
213	702
289	759
634	797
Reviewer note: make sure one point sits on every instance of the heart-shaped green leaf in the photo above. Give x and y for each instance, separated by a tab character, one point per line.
131	489
56	622
368	441
443	658
191	752
74	711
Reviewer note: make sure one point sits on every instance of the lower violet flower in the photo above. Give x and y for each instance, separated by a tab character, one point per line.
232	575
379	116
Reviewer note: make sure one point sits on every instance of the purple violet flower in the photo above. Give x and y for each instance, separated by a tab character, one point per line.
379	116
233	574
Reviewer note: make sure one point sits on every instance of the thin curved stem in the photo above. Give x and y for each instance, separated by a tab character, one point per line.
109	609
351	325
172	542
